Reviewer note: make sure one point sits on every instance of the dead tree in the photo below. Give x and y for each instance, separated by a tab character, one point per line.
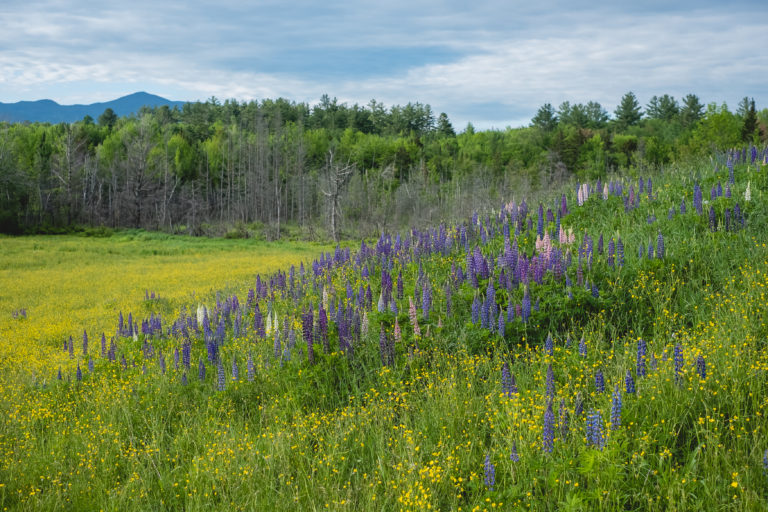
337	177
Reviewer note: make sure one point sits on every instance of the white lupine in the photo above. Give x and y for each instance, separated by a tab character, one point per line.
201	313
748	192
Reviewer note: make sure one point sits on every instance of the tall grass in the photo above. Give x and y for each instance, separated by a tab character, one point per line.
349	433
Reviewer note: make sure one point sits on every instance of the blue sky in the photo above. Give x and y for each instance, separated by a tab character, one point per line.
491	62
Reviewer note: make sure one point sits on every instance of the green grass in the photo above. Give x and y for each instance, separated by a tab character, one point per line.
350	434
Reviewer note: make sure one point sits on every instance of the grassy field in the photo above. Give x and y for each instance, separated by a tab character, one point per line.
476	367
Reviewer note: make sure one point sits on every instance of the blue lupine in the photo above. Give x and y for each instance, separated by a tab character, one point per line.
90	365
549	345
79	374
548	433
221	377
701	367
660	246
697	198
475	310
678	362
595	430
502	325
490	473
201	370
426	301
526	306
650	250
599	381
550	382
765	461
616	408
595	291
508	384
629	382
642	349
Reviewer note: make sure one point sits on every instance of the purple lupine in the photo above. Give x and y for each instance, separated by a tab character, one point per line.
476	310
103	345
90	365
201	370
678	362
490	473
549	345
514	457
660	246
85	343
79	374
595	291
508	384
564	419
582	347
599	381
307	321
502	324
650	250
526	306
161	363
176	358
221	377
58	375
712	219
654	362
701	367
595	435
697	199
550	382
642	349
186	352
682	207
71	348
629	382
616	409
426	301
548	433
671	214
184	381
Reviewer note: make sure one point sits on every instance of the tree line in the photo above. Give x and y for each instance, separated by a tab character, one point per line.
264	167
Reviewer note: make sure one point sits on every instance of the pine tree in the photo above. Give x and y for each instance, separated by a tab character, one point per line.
628	112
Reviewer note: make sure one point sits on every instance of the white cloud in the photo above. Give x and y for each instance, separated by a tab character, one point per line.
514	58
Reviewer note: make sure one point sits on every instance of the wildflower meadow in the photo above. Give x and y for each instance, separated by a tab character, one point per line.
598	348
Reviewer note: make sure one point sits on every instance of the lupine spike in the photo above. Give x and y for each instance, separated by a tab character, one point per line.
548	432
616	406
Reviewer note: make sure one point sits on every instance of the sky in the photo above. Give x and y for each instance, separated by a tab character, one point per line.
489	62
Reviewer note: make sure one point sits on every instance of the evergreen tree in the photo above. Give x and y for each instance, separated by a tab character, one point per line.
597	116
628	112
444	126
692	110
108	118
748	113
664	108
545	118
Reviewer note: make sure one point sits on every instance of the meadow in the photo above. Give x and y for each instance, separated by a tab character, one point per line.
601	350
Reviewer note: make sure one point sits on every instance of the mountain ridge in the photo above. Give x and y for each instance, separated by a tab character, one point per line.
49	111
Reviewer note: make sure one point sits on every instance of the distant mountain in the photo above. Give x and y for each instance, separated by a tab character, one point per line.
51	112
